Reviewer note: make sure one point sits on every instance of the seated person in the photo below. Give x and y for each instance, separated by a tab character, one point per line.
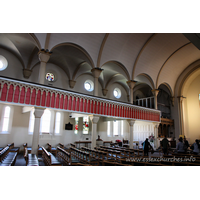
180	146
195	147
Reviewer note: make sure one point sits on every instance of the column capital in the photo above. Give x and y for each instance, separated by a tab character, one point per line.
96	72
94	119
131	121
155	92
44	55
38	112
72	83
104	92
156	124
131	83
27	73
181	98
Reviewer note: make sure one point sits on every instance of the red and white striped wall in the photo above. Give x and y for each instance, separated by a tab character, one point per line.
29	94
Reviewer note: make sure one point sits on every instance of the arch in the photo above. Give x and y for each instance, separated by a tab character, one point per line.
139	54
67	73
101	49
31	57
127	91
150	83
168	60
77	69
120	65
115	75
182	79
90	75
168	87
77	47
15	54
36	40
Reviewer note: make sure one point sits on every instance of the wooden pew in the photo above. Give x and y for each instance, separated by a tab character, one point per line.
64	156
12	148
31	159
83	157
7	158
51	149
49	158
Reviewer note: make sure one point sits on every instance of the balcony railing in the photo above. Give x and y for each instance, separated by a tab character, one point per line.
31	94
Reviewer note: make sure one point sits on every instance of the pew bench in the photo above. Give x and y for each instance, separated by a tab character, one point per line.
64	156
7	158
31	159
51	149
12	148
49	159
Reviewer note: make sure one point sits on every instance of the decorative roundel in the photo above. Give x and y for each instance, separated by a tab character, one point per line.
50	77
117	93
3	63
89	85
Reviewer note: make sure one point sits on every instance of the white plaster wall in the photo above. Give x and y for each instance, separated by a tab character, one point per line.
19	128
193	110
110	95
15	68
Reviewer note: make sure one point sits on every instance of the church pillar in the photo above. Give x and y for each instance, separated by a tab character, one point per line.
35	141
181	115
131	84
94	120
156	143
131	123
43	57
155	93
96	73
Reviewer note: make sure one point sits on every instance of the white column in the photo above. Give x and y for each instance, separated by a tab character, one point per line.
94	120
96	73
35	141
131	84
155	93
156	143
131	123
43	57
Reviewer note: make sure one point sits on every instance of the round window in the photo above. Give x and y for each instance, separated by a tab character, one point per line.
117	93
89	85
3	63
50	77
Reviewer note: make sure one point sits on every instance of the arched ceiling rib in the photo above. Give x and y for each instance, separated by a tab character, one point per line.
176	65
156	53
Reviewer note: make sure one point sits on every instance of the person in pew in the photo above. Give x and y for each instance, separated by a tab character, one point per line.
165	145
195	147
147	146
186	144
180	146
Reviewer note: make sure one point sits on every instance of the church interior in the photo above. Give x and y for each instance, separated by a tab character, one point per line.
83	84
98	92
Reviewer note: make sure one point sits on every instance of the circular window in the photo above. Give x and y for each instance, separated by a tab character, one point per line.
3	63
117	93
50	77
89	85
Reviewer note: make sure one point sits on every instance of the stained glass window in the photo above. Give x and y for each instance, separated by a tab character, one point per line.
85	125
50	77
76	125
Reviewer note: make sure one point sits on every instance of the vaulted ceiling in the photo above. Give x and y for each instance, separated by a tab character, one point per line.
151	58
